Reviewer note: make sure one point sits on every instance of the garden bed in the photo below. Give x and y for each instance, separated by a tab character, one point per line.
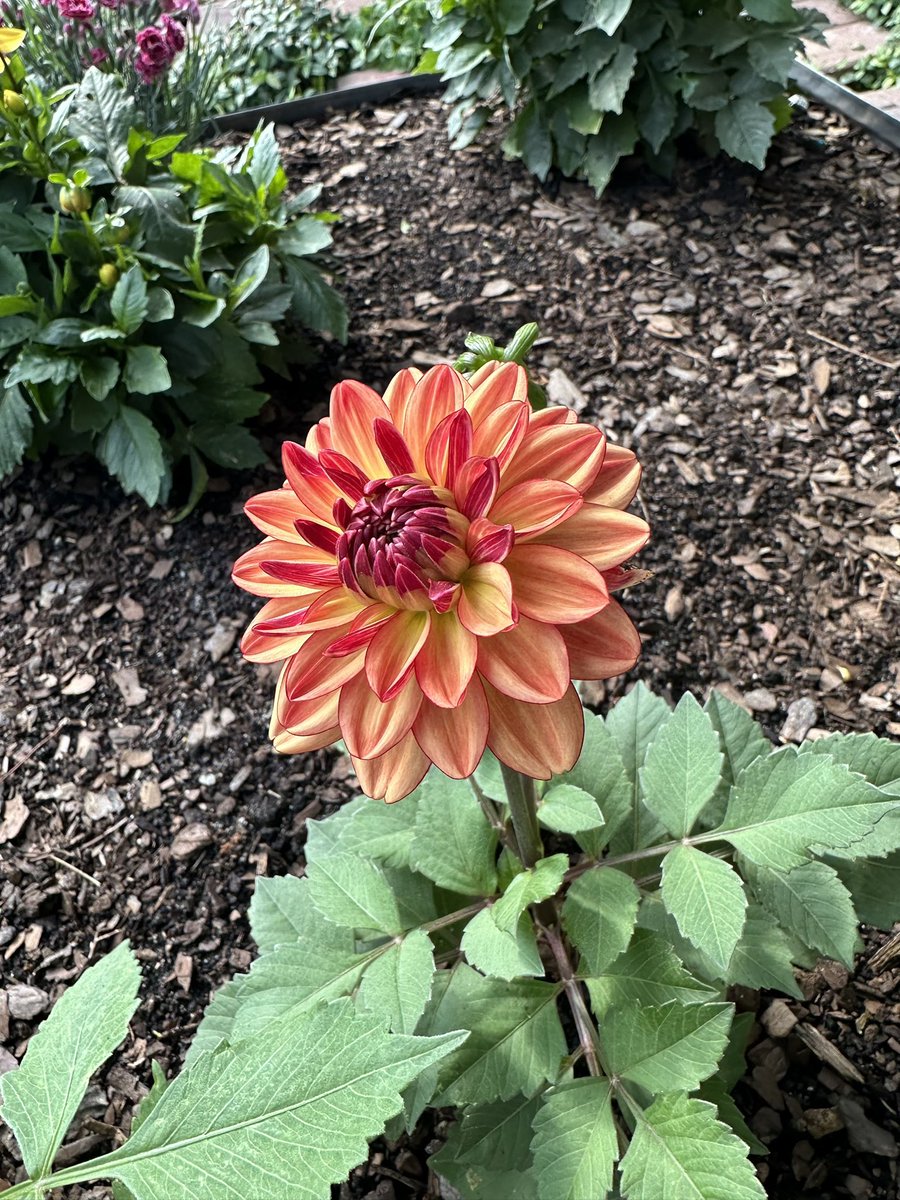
738	329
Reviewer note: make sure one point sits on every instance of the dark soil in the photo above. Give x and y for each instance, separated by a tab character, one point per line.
739	330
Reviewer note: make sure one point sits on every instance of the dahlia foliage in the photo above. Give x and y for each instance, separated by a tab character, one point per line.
439	566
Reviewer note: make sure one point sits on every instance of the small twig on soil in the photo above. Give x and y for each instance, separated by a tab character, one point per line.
20	762
71	867
872	358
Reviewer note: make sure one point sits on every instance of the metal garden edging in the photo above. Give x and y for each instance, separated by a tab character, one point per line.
289	111
840	99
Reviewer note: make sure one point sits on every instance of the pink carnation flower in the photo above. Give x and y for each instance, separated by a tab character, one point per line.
76	10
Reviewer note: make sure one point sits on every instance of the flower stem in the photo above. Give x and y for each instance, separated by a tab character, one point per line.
580	1012
522	797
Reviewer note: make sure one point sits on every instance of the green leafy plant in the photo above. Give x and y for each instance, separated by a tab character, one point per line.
880	69
253	1113
427	950
583	83
286	51
389	34
173	93
481	349
143	287
879	12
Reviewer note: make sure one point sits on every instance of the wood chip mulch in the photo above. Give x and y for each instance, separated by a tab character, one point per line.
739	331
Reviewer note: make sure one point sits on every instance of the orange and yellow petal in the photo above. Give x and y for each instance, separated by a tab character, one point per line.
603	646
445	663
536	505
437	395
454	738
371	726
540	740
274	514
286	742
618	478
248	574
486	600
572	453
393	774
393	651
527	663
354	410
605	537
554	585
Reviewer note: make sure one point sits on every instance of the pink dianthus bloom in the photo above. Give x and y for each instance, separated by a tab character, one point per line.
76	10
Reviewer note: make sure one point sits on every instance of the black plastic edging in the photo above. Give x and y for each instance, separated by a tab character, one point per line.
290	111
879	124
833	95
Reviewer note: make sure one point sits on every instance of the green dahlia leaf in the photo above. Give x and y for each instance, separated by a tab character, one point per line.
741	741
454	844
762	958
787	807
131	450
634	723
875	886
370	828
681	1152
606	15
516	1041
744	128
648	972
600	772
504	953
86	1024
569	809
665	1049
280	911
217	1025
873	757
531	886
296	978
813	904
497	1135
15	428
128	303
397	984
284	1114
682	768
706	898
575	1144
354	893
599	915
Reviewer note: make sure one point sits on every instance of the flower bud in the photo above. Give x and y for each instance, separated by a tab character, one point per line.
14	102
109	275
75	200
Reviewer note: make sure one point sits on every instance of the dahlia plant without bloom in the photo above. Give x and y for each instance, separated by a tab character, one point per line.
439	566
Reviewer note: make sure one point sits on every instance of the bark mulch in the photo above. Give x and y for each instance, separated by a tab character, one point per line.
739	330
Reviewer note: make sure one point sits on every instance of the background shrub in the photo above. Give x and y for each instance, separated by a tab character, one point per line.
141	286
586	82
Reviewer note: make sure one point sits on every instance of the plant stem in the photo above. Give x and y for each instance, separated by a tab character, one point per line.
580	1012
522	796
636	855
489	808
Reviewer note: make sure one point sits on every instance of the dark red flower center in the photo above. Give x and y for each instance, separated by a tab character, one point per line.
398	536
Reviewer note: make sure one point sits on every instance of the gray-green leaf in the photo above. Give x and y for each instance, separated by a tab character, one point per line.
86	1024
516	1041
354	893
680	1151
283	1114
280	911
397	985
787	806
569	809
505	953
706	898
131	450
454	844
599	915
813	904
682	768
575	1143
648	972
744	128
665	1049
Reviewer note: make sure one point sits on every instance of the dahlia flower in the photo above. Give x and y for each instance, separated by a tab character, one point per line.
439	565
